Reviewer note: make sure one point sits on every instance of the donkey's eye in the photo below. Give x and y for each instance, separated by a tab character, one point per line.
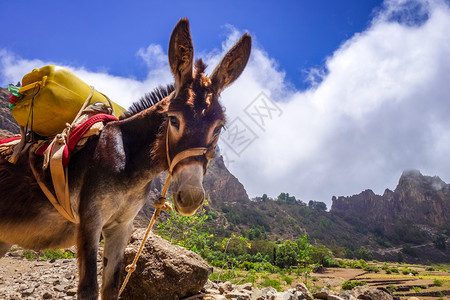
174	122
217	130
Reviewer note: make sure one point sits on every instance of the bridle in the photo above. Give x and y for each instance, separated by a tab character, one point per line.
208	152
161	204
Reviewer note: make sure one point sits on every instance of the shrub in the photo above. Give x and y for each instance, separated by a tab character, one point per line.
276	284
29	255
287	279
348	285
247	265
394	270
371	268
56	254
393	287
430	269
437	283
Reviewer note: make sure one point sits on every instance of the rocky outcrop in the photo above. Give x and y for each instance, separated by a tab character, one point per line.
164	271
419	199
8	126
227	290
222	186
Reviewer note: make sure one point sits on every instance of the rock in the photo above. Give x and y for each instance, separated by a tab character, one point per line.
225	287
164	271
257	294
217	297
28	292
284	296
246	286
367	293
301	287
334	297
71	292
47	295
60	287
325	294
237	296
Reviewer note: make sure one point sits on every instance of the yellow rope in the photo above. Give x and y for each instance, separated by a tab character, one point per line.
159	204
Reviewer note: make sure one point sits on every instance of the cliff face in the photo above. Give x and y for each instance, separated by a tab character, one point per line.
419	199
221	186
8	126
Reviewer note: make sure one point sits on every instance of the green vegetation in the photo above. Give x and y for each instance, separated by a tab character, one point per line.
437	283
348	285
56	254
29	255
48	254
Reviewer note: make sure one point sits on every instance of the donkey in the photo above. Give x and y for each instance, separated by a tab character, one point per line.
110	177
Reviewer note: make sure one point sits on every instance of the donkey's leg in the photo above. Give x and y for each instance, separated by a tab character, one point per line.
87	247
116	239
4	248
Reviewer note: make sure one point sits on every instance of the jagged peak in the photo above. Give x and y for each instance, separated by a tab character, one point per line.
415	178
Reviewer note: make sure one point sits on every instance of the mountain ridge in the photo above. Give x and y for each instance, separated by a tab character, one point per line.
414	217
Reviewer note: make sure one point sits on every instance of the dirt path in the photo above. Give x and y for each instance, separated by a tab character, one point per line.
23	279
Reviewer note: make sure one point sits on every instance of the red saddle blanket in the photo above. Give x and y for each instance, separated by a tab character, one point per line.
74	137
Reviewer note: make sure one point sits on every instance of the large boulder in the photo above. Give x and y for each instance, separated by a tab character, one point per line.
164	271
367	293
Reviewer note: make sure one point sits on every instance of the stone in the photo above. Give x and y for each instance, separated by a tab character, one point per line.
47	295
71	292
28	292
60	287
283	296
257	294
325	294
237	296
367	293
164	271
216	297
225	287
334	297
301	287
247	286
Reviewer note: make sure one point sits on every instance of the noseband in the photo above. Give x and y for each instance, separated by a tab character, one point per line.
208	152
160	204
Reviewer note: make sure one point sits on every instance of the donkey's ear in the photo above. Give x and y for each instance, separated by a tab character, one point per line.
181	53
232	64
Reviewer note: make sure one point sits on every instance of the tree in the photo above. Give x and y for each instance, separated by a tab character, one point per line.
322	255
286	254
440	242
362	253
321	206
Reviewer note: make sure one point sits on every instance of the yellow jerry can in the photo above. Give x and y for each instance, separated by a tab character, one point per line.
52	97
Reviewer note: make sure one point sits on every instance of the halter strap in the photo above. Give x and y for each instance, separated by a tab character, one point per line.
161	204
209	153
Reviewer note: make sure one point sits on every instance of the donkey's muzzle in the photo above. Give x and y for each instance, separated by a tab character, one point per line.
188	192
188	201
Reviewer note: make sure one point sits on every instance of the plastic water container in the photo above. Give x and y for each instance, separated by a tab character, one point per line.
52	97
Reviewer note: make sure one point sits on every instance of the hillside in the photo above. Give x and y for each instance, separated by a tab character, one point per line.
8	126
411	223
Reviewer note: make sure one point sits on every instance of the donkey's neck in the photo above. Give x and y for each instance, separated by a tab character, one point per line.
139	135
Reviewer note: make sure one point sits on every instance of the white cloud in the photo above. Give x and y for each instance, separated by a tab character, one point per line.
377	107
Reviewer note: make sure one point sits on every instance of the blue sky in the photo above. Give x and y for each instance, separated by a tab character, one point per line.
358	89
105	35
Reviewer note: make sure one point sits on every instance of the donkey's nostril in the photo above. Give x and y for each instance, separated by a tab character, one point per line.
188	201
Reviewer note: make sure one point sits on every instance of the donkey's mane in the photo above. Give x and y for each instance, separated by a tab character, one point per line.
148	100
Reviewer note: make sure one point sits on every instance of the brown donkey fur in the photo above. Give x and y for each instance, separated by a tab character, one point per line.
109	178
